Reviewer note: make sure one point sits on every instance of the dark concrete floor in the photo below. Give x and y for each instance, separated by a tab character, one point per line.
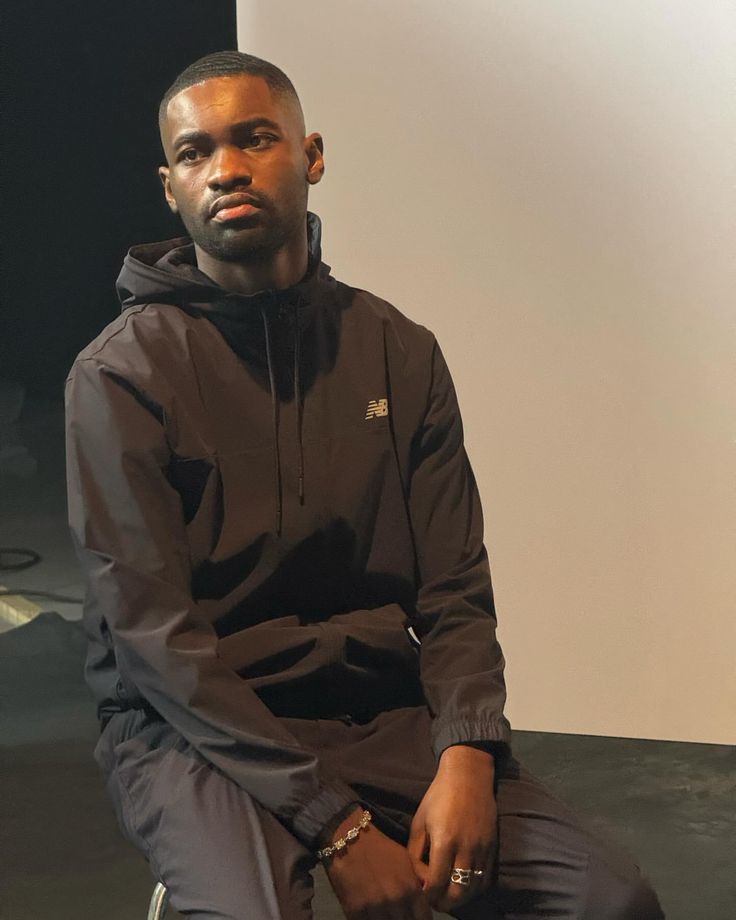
671	804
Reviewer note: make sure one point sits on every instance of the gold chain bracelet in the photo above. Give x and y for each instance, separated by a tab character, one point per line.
342	842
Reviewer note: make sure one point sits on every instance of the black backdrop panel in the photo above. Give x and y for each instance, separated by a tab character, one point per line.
81	152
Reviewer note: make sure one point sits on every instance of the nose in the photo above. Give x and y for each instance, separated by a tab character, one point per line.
229	166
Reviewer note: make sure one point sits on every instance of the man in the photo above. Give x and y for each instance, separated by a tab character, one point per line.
292	633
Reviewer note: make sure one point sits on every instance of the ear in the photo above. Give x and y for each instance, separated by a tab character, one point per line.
314	151
163	174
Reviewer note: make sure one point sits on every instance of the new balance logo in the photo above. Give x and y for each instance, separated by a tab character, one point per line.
377	408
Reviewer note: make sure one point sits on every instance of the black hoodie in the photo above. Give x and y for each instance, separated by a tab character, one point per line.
270	497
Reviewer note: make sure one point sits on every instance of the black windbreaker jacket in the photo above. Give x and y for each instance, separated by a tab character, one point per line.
269	496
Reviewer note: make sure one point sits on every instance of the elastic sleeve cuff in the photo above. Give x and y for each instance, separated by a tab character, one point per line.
495	731
324	812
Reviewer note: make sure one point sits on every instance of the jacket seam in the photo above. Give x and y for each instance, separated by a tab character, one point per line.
128	314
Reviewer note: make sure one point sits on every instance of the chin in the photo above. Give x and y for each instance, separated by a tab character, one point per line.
239	251
234	245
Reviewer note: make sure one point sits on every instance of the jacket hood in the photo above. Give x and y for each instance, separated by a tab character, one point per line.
167	272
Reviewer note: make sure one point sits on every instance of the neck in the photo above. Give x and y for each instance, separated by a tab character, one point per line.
283	269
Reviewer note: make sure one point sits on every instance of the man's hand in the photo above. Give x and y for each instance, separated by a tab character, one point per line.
455	826
374	878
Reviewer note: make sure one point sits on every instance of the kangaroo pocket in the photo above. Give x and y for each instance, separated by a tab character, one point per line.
358	663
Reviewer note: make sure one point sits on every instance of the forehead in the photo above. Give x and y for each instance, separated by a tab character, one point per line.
221	101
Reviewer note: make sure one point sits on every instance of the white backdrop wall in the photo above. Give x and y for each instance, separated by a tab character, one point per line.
548	186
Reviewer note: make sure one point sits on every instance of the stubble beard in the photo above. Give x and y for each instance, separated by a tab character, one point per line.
255	246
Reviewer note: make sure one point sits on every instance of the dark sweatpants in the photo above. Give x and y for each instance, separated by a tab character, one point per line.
223	857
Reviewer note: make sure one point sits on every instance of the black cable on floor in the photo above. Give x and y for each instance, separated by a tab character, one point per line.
32	558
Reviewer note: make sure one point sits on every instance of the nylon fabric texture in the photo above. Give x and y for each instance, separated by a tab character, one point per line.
265	493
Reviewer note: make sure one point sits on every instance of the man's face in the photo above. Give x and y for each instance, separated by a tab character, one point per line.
239	167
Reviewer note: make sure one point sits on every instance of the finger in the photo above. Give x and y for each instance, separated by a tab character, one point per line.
388	911
490	868
421	871
418	904
417	844
457	893
395	906
440	867
483	860
416	849
420	907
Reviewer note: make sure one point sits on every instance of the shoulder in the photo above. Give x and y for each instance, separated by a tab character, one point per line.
140	338
401	331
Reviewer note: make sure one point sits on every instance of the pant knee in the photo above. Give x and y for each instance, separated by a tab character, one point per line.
614	898
642	903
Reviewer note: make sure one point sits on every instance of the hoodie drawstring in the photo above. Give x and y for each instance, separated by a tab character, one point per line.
275	422
275	412
298	399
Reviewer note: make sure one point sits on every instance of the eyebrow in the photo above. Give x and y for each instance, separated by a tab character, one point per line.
192	137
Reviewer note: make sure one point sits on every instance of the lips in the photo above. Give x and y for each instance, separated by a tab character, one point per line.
231	207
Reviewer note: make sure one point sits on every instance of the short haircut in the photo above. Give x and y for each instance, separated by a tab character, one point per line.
230	64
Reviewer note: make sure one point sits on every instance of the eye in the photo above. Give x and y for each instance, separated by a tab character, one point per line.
189	154
265	139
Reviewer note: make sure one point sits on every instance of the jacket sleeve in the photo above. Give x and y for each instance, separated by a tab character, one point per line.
128	528
461	663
